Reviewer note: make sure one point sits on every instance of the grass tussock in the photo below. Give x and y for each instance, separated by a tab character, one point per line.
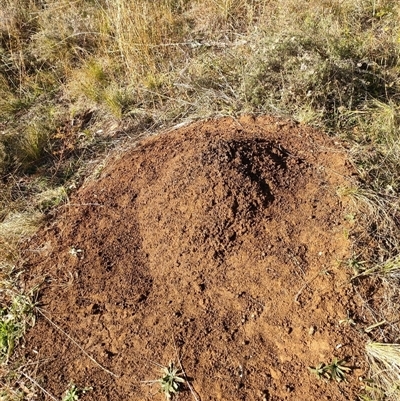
17	226
384	360
76	77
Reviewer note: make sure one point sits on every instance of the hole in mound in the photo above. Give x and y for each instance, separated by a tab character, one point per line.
216	244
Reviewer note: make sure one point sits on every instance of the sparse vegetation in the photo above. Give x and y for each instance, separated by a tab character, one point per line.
389	269
76	77
13	323
74	393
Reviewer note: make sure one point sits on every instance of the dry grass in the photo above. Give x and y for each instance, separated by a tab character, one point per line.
77	75
384	360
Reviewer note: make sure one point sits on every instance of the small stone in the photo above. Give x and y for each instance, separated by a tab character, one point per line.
311	330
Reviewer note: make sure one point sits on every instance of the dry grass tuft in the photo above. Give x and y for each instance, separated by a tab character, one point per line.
15	227
384	360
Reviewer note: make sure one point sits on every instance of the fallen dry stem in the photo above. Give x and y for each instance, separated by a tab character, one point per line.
194	394
304	286
78	345
39	386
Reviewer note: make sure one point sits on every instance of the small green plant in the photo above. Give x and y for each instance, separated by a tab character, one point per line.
171	380
73	393
13	321
8	334
320	371
347	321
356	265
336	370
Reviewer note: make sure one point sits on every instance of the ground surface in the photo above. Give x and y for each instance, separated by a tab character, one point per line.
217	244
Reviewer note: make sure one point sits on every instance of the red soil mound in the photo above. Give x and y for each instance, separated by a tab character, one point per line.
216	244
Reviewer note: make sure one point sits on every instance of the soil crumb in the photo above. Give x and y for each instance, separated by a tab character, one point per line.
217	246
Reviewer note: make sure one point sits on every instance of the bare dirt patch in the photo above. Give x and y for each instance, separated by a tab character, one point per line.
218	243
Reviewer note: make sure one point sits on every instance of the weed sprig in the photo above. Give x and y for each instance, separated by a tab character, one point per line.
170	382
73	393
336	370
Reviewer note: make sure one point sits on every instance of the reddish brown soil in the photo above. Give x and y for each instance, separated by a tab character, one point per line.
217	244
